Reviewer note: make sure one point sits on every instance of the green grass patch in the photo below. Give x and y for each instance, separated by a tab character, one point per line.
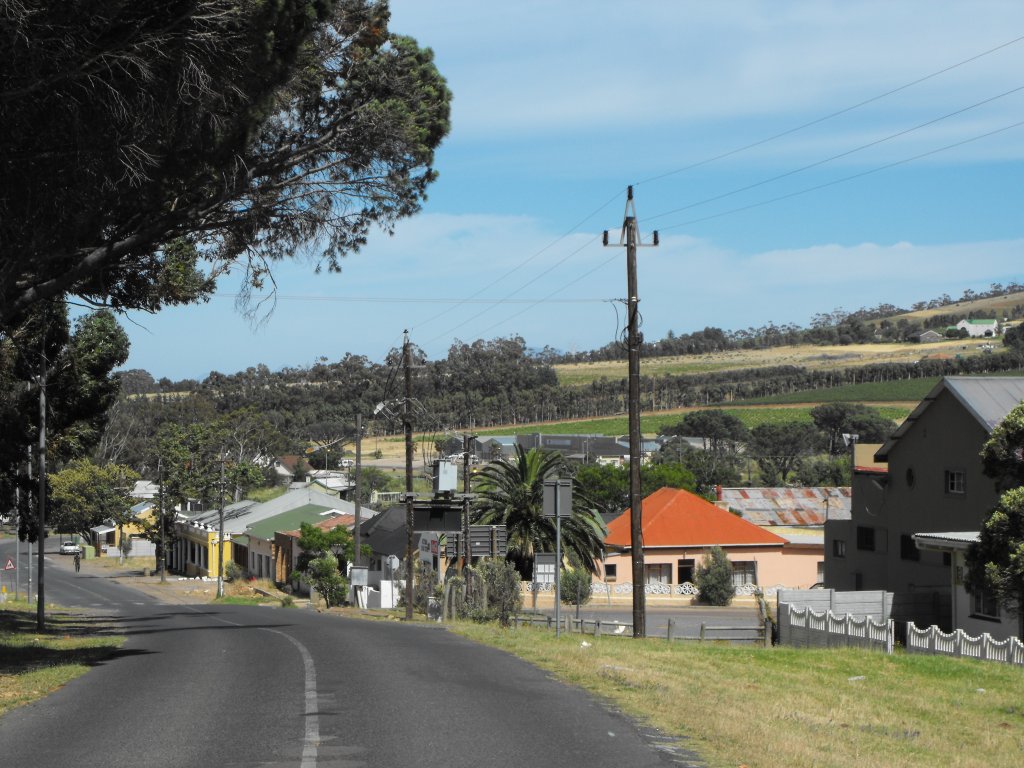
34	664
261	495
651	424
793	707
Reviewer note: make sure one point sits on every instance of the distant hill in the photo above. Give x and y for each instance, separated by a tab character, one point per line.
1009	306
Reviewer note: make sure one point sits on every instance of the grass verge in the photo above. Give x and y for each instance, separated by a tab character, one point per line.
33	664
793	707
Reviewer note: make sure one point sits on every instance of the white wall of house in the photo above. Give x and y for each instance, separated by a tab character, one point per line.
976	616
979	330
261	558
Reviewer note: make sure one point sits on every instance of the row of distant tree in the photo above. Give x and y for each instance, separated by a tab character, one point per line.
478	385
863	326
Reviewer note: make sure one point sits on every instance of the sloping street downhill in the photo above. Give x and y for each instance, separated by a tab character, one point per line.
223	685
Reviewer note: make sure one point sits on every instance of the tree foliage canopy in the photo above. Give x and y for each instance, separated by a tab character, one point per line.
995	563
780	449
837	419
607	485
149	146
79	390
83	495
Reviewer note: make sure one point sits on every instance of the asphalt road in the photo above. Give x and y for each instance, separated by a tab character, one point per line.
254	686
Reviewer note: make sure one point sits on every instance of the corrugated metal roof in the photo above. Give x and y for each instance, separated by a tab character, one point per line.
945	541
788	506
987	398
287	521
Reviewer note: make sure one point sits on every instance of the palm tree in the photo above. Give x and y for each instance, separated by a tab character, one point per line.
512	494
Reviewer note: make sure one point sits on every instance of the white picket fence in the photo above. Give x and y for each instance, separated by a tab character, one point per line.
807	628
934	641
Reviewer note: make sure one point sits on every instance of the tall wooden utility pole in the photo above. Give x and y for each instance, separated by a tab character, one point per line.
630	238
41	536
466	442
357	560
410	550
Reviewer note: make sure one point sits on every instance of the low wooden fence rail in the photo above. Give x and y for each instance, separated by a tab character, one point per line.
760	634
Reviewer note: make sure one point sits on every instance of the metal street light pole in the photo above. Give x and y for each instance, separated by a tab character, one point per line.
220	534
466	441
163	520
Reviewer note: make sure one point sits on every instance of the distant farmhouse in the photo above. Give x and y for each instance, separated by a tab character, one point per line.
977	329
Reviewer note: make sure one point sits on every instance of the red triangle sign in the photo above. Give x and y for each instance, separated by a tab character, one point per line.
10	565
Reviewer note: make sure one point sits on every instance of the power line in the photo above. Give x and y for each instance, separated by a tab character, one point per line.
522	264
840	155
509	300
549	297
851	177
831	115
739	150
409	299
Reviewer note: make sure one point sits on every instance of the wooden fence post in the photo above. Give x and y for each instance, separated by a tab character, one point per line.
702	631
671	624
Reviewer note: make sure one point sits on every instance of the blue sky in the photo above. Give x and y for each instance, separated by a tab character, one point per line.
558	106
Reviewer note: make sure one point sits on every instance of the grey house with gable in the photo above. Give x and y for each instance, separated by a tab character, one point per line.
924	481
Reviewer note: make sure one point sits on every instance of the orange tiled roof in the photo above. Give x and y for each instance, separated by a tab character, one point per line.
676	518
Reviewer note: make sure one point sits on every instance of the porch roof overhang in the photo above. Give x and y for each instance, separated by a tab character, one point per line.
952	541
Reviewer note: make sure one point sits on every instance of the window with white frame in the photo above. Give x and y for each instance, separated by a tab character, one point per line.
955	481
658	573
744	572
984	604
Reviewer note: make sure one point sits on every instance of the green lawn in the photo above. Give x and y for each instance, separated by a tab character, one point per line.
650	424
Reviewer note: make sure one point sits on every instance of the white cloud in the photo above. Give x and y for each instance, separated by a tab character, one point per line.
580	67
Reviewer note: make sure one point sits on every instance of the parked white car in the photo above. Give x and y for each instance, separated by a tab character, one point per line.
70	548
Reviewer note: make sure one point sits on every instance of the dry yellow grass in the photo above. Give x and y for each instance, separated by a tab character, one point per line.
794	707
805	355
996	306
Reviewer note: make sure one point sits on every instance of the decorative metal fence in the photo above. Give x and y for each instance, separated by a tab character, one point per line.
934	641
807	628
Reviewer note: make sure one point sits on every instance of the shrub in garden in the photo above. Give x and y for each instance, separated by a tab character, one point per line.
713	578
576	586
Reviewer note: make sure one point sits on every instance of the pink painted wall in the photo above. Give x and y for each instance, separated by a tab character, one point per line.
788	566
